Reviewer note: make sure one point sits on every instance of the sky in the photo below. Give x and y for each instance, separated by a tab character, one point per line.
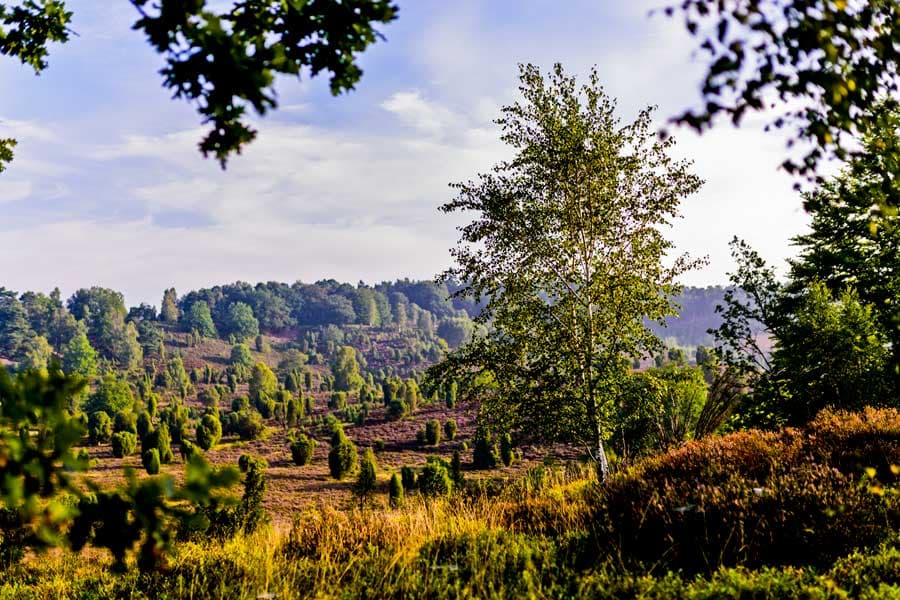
108	187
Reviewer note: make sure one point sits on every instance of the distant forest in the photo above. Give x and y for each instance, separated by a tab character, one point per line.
35	325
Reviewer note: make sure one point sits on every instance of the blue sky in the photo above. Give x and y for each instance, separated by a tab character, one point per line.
109	189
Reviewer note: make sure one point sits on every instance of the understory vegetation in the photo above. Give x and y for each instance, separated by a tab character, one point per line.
810	512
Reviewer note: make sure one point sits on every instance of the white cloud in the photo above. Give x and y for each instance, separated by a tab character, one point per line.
12	190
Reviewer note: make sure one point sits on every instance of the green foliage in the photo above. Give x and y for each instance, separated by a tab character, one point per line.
397	409
456	469
456	331
435	478
247	424
342	458
432	432
395	492
199	319
253	515
345	370
103	311
484	450
302	449
836	60
337	401
36	353
570	258
14	328
151	461
450	429
209	431
125	421
263	384
100	427
164	443
240	322
262	345
37	435
240	355
112	395
79	357
506	449
168	311
366	478
6	152
124	443
408	477
751	498
148	512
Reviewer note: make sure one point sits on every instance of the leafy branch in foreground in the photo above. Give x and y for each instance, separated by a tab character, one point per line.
223	61
828	61
42	505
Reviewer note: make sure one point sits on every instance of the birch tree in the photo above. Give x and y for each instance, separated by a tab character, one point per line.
567	246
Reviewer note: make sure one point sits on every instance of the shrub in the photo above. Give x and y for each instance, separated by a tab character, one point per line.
251	509
484	451
209	431
100	427
432	432
379	445
302	449
408	477
752	498
342	457
395	492
506	449
337	401
209	397
435	478
164	444
397	409
450	429
456	469
125	421
367	478
420	436
248	425
151	461
124	443
240	403
188	450
144	424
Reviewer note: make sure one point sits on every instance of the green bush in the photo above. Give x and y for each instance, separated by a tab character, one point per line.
125	421
395	492
100	427
408	477
506	449
397	409
150	459
367	478
435	478
421	436
302	449
342	457
752	498
209	431
337	401
484	450
248	424
450	429
432	432
144	424
188	450
124	443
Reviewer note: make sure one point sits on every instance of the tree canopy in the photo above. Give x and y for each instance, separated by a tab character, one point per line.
828	61
567	249
221	59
